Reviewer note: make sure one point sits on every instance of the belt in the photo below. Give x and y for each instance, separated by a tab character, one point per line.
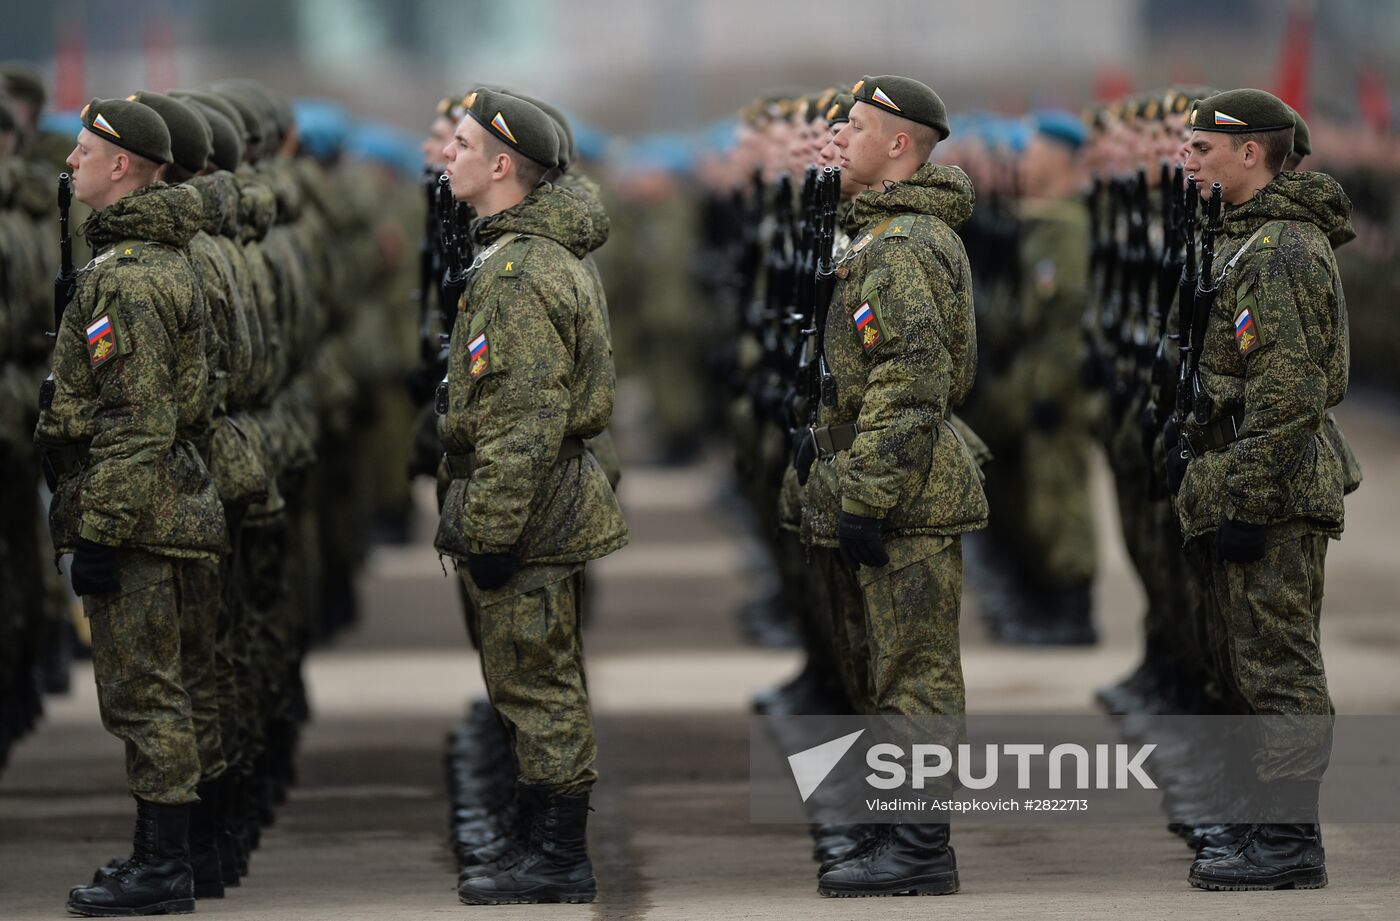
1216	435
831	439
462	464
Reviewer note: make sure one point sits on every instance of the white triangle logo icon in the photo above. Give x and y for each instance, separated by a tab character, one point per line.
810	767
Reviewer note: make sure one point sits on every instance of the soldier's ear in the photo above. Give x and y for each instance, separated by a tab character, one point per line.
899	144
1250	154
121	165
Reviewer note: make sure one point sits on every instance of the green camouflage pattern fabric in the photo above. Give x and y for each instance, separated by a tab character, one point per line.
901	627
201	596
584	188
547	375
140	682
1264	624
1295	366
532	659
908	466
142	484
216	262
1038	488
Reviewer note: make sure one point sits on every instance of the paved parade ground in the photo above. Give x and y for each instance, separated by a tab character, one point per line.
363	834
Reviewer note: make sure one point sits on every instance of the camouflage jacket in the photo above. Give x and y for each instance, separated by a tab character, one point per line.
131	387
1276	350
530	368
257	209
237	454
599	226
1055	275
901	345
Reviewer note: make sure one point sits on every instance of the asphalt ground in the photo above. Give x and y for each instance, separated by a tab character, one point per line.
363	835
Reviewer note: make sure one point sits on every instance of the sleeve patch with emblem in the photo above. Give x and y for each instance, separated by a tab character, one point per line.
101	340
1246	332
868	326
480	360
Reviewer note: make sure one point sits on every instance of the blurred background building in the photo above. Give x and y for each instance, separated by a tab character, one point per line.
639	65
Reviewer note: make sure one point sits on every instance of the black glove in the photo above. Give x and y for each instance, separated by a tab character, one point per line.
1177	460
94	569
805	456
491	570
859	539
1240	541
1046	415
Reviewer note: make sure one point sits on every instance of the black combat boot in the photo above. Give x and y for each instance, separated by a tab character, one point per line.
226	829
156	880
1273	856
905	860
1214	841
1053	617
204	846
554	866
490	861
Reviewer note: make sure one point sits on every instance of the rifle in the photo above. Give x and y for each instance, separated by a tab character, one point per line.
64	284
66	280
1202	407
1186	300
825	284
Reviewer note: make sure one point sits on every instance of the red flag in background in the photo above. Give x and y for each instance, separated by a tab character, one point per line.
69	66
1295	58
160	56
1372	100
1112	83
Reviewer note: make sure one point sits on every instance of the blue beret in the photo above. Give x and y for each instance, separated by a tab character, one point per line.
1059	125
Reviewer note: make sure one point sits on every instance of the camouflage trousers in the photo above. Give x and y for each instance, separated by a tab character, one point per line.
136	657
1264	624
201	598
898	625
532	658
1042	513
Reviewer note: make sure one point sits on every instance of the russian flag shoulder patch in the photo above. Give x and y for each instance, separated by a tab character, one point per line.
1246	332
101	340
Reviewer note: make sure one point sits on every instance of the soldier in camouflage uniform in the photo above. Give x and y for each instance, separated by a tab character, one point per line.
1265	469
133	500
1038	486
37	606
202	588
895	486
531	377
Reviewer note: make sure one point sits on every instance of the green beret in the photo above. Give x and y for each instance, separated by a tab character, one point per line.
839	112
1302	140
216	102
520	125
275	109
225	139
906	98
131	126
1241	112
22	82
568	148
248	115
189	132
